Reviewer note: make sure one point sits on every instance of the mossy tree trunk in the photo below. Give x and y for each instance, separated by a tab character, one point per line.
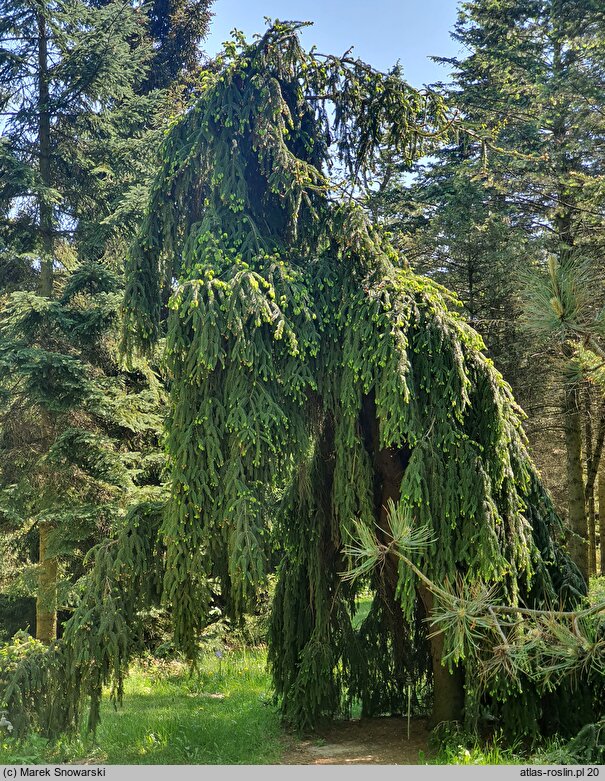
592	534
46	601
594	448
565	235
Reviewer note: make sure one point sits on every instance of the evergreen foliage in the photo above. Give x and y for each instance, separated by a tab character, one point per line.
304	354
544	650
68	74
46	688
176	27
529	192
79	435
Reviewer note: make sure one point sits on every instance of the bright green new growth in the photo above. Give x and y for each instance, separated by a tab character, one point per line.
303	352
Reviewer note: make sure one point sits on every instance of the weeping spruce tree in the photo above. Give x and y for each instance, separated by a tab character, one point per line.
305	355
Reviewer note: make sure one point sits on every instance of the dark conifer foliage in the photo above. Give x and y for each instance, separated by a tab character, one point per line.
305	360
481	216
79	436
66	70
176	27
72	123
79	433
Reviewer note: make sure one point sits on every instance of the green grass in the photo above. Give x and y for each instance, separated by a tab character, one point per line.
553	751
474	753
364	603
221	715
597	590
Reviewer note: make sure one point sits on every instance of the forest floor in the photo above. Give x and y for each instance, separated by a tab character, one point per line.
380	741
225	715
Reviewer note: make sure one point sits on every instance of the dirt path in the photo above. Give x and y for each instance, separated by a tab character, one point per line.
362	741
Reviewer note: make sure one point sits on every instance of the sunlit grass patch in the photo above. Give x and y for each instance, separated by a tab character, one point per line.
220	714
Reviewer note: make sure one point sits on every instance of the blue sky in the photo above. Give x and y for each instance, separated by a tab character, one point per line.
381	31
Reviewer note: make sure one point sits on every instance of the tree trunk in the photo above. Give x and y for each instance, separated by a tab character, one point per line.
45	209
593	459
602	517
578	544
592	535
564	226
46	602
471	289
389	466
448	701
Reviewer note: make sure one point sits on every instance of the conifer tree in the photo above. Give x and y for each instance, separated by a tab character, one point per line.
533	79
61	67
176	27
557	50
79	434
302	351
457	229
66	72
110	169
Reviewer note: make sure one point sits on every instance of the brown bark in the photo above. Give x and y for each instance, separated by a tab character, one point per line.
46	601
389	467
594	459
564	226
448	702
578	524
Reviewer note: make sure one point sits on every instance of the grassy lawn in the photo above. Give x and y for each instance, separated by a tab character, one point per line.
220	715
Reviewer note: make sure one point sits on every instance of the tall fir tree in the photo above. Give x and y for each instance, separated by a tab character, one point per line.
69	75
79	435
